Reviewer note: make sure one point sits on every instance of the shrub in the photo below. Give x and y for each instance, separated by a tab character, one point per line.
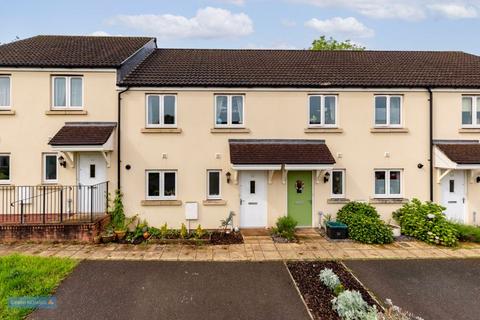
285	227
199	232
426	222
163	231
350	306
117	214
468	233
364	223
329	278
183	231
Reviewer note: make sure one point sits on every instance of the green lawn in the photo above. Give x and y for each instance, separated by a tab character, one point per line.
22	276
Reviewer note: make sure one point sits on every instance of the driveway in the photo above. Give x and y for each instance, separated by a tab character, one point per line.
432	289
176	290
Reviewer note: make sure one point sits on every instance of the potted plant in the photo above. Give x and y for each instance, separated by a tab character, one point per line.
108	235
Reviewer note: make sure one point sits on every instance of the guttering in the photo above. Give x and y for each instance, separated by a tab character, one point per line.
119	136
429	89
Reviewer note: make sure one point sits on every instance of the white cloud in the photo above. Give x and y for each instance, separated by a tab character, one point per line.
276	45
234	2
100	34
208	23
455	11
349	27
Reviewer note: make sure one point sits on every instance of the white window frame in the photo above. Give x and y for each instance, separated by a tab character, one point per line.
322	111
219	196
387	194
161	111
9	168
68	93
475	108
338	196
162	185
229	111
44	168
387	125
9	107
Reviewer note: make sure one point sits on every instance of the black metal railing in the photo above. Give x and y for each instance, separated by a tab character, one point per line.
52	204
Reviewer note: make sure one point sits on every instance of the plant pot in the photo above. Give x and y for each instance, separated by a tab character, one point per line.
120	234
337	230
108	238
396	230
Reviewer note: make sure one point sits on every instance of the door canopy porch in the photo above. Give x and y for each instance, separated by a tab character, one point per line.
84	137
280	154
457	155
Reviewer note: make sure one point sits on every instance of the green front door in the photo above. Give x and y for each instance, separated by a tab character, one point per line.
300	197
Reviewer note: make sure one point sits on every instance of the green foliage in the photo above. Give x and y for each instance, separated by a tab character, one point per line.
154	232
324	44
164	231
350	306
338	289
468	233
183	231
329	278
364	223
285	227
22	276
426	222
199	232
117	214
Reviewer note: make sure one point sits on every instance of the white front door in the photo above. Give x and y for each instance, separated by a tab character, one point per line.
253	199
92	170
454	195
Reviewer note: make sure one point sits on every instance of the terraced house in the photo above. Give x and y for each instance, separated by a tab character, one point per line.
192	134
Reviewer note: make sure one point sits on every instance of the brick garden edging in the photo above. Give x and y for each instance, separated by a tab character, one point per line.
81	232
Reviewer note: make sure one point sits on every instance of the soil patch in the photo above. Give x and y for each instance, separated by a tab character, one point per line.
220	238
318	297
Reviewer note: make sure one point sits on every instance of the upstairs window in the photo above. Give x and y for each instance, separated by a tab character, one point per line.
322	111
67	92
161	185
470	111
5	92
229	111
4	168
161	111
388	183
388	111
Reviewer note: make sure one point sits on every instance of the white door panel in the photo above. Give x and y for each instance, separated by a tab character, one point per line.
92	170
253	199
454	195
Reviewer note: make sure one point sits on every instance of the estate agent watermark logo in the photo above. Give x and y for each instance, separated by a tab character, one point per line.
32	302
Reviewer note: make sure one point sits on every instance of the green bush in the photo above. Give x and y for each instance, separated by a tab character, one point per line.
364	223
426	222
369	230
468	233
285	227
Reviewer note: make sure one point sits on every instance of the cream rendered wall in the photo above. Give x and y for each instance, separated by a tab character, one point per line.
448	126
25	134
269	114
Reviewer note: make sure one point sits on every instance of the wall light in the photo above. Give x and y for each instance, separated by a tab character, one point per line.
62	162
326	177
229	175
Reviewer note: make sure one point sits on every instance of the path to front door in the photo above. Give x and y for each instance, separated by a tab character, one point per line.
299	196
253	199
454	195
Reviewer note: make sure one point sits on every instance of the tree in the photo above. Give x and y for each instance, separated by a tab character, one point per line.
323	43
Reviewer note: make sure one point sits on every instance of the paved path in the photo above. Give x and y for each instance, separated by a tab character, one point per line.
256	248
177	290
432	289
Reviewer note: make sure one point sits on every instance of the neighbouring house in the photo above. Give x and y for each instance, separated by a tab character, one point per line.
263	133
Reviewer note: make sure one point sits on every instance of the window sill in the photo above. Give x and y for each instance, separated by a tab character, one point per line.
161	130
323	130
469	130
66	112
389	130
229	130
338	201
7	112
388	201
161	203
212	202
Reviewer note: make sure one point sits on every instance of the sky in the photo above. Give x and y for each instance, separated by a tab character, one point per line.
255	24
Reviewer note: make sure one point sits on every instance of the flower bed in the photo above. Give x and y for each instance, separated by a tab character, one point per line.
316	295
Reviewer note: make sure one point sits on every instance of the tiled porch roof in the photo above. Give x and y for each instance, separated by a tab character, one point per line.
83	134
461	153
256	152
